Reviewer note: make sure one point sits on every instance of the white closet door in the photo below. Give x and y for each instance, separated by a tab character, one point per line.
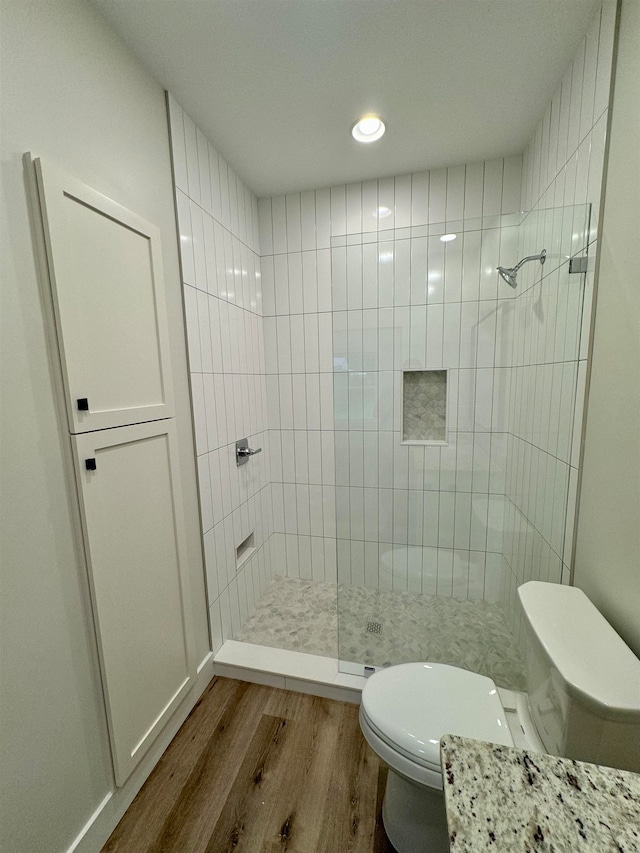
105	269
135	553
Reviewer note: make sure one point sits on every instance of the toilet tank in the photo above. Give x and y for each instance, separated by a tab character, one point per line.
583	681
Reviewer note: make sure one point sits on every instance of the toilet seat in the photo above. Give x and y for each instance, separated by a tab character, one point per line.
403	766
406	709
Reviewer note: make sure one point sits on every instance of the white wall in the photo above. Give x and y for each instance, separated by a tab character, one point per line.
562	168
218	221
74	94
607	561
346	491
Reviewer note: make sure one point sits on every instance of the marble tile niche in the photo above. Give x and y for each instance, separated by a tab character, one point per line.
424	401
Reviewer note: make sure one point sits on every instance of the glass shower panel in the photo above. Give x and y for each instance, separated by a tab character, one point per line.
420	524
547	381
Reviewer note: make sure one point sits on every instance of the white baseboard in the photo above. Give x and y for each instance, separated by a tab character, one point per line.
75	847
107	815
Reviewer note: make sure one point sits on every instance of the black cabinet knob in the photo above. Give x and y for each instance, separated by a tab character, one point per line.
90	464
83	404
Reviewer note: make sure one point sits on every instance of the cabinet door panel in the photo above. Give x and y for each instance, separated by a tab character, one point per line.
135	554
105	270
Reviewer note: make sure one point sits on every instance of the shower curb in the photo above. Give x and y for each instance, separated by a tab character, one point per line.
287	670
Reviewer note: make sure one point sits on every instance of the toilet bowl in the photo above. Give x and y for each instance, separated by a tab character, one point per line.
583	702
405	711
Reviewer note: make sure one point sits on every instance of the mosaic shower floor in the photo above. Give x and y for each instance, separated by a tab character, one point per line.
381	628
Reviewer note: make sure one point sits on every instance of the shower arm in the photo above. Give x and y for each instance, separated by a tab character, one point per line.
541	257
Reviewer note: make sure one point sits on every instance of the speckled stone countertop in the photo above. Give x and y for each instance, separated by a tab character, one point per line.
505	799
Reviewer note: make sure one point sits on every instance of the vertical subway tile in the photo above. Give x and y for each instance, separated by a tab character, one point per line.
225	202
178	149
386	204
354	277
402	190
323	266
293	222
203	170
279	224
455	193
265	226
191	144
402	272
473	190
511	184
338	210
353	209
308	220
445	572
453	270
437	195
214	176
234	208
435	270
385	275
186	238
296	299
369	206
492	194
281	283
419	267
420	198
435	330
323	219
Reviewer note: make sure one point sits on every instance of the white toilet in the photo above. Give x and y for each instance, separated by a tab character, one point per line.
582	701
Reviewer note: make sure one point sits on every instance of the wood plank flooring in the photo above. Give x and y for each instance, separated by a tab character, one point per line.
254	769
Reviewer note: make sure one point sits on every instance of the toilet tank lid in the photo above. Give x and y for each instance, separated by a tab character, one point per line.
591	657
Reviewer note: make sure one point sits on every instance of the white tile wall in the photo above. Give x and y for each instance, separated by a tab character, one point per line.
222	286
562	167
357	285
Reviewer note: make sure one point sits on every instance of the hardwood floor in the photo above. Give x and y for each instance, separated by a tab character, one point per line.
260	770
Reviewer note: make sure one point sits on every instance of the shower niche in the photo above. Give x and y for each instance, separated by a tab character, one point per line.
424	407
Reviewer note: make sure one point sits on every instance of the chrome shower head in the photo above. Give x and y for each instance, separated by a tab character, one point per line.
510	274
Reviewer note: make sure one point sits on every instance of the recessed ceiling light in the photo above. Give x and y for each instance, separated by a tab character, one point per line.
446	238
383	212
368	129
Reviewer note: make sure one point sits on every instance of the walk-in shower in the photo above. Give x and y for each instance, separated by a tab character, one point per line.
448	478
509	274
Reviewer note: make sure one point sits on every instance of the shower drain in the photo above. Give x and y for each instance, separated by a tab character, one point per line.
374	627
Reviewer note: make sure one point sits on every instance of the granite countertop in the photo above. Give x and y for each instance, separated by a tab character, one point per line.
505	799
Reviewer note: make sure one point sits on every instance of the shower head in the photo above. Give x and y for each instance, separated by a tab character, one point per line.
510	274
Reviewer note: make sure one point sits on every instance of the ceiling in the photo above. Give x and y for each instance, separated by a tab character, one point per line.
277	84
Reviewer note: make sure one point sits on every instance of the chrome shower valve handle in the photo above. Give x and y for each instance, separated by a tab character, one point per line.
243	451
248	451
